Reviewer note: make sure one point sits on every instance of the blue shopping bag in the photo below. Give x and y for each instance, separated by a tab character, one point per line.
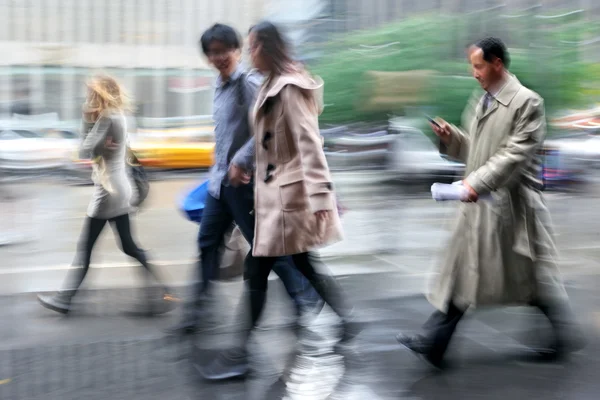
193	202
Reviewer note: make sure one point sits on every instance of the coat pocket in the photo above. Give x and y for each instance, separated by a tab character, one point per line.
293	196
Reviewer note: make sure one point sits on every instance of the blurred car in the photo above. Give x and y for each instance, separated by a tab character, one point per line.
350	150
414	158
563	171
163	154
24	149
177	149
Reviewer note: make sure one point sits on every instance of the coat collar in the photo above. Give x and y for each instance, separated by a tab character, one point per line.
300	79
509	91
504	96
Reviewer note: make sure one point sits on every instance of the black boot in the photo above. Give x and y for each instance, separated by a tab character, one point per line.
333	295
59	302
194	314
233	363
229	364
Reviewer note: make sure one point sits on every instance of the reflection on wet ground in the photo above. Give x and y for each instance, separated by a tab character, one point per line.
393	235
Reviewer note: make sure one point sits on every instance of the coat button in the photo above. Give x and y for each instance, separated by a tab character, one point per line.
269	175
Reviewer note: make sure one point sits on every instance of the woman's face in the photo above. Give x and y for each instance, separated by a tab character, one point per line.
256	53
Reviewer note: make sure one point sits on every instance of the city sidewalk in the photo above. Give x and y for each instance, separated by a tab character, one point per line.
98	353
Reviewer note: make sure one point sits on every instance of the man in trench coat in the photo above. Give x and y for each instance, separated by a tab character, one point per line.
502	250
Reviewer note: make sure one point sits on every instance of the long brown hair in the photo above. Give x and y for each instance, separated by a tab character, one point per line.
274	47
104	93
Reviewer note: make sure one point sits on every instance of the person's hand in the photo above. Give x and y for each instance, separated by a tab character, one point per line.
442	131
110	144
472	195
322	216
238	176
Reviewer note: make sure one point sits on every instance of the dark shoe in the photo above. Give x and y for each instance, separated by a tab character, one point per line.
419	346
351	329
572	341
186	326
230	364
540	356
559	351
60	302
152	307
197	316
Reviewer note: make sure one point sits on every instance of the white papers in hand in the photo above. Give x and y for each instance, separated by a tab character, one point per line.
455	191
445	192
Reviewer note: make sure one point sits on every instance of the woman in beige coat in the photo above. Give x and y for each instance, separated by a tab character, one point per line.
295	204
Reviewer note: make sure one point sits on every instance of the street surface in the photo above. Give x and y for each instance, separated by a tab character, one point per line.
393	236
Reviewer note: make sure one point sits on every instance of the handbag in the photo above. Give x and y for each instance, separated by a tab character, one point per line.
139	178
233	252
234	249
192	204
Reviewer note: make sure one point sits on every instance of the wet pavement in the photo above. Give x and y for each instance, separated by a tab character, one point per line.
393	236
99	353
401	226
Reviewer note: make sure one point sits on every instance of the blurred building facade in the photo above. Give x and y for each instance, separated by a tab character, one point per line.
50	47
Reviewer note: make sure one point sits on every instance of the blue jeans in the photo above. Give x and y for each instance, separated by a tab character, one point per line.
237	205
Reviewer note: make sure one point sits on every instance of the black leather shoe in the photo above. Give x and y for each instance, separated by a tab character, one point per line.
230	364
421	347
557	352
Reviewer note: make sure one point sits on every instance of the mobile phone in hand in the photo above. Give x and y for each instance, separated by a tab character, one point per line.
432	121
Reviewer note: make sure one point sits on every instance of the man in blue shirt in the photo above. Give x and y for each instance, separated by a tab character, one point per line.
234	148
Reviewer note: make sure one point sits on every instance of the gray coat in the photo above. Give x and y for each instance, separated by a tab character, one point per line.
502	252
112	188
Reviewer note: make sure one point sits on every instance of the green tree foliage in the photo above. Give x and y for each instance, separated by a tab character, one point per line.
549	66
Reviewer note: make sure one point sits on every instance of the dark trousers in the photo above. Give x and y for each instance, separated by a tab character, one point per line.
91	231
440	327
236	204
307	264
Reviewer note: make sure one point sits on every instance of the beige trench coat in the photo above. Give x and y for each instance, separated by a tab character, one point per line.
292	179
502	251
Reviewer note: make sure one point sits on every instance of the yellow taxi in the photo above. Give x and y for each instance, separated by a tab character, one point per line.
177	148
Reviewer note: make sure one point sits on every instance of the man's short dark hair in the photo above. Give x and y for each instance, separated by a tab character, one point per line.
220	33
494	48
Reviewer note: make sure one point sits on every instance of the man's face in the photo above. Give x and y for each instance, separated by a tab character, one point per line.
486	73
224	59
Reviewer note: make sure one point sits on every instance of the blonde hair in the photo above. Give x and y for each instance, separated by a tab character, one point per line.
104	94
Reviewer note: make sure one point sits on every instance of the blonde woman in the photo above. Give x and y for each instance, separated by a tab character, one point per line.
104	135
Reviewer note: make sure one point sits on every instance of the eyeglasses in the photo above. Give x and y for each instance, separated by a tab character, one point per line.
219	53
